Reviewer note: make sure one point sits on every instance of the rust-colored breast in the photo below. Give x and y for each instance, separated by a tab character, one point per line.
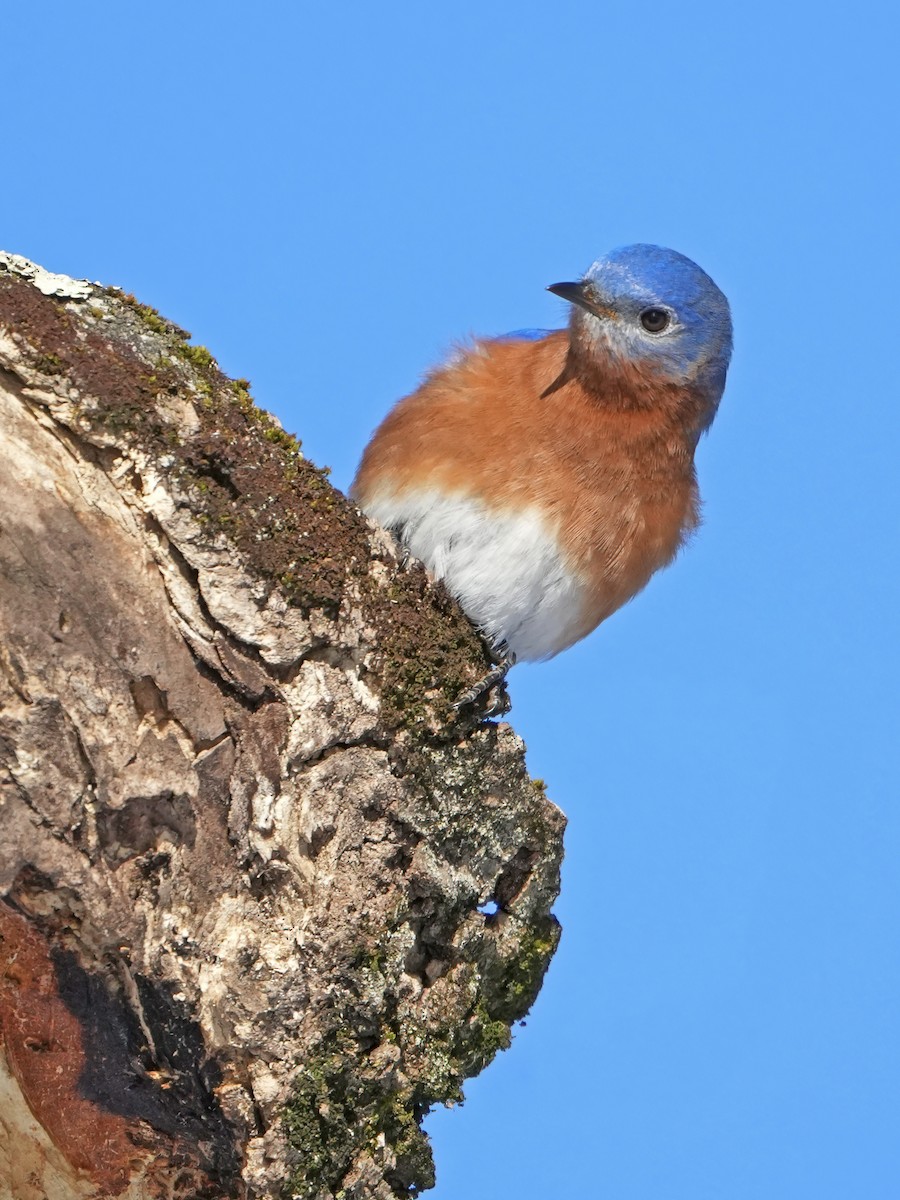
607	457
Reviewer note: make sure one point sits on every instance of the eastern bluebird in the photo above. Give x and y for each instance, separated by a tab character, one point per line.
546	475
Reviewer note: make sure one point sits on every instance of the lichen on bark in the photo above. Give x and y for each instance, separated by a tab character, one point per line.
243	823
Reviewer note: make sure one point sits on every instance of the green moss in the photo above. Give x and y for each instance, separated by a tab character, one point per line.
504	986
317	1124
338	1111
197	356
493	1036
414	1170
152	319
150	316
428	654
522	975
280	438
49	364
345	1105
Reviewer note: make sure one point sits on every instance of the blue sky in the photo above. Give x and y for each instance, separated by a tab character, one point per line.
328	196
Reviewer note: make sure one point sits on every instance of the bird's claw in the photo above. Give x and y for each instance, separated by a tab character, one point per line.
496	675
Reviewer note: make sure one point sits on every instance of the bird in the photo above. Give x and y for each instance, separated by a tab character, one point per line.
546	475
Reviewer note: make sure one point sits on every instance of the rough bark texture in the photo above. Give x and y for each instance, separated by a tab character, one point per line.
248	850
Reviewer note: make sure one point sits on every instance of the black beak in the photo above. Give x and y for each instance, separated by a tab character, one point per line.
582	295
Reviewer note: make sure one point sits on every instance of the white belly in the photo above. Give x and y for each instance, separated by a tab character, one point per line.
504	567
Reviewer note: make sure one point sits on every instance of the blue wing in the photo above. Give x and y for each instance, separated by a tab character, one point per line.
524	335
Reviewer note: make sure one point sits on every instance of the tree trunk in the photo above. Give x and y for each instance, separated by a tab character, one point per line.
266	896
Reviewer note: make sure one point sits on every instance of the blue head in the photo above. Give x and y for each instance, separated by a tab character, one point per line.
651	304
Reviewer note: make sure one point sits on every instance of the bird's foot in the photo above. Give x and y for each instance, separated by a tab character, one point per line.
496	675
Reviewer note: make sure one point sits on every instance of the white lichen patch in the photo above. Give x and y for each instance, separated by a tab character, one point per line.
46	282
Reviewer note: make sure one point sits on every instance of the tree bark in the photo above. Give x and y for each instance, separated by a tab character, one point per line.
266	896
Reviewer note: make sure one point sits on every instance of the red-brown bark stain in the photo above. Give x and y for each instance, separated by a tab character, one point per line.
45	1051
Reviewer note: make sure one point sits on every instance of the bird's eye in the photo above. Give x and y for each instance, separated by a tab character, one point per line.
654	320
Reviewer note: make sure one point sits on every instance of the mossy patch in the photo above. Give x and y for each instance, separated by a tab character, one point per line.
346	1105
513	986
339	1111
427	651
321	1122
